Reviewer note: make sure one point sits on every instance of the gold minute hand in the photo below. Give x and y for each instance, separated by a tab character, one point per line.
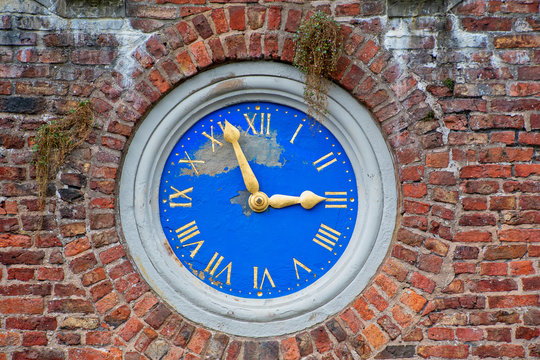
307	199
231	134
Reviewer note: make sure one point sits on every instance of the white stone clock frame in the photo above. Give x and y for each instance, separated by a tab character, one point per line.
139	220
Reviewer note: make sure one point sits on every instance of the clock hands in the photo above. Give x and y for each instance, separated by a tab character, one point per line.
307	200
259	201
231	134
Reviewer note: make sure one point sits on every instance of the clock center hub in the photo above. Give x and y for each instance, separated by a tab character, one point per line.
258	202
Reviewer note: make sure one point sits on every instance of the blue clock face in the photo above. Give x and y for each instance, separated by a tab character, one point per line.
301	215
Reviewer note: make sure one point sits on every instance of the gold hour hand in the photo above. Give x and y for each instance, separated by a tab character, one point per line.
231	134
307	200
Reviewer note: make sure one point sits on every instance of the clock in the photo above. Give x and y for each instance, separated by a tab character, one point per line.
258	200
246	216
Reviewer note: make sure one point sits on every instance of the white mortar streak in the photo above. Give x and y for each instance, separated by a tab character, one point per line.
129	39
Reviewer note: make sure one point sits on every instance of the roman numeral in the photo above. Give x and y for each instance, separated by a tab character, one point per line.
187	231
329	162
191	162
326	237
295	133
298	263
266	274
182	194
196	250
212	267
211	137
335	198
251	123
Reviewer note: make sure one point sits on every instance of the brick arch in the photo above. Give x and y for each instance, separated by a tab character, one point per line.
400	294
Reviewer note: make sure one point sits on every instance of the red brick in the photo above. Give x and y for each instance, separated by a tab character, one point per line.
368	51
517	41
494	269
402	253
440	333
77	246
321	339
473	236
271	46
504	252
256	17
512	301
50	274
525	170
237	18
498	351
464	268
442	178
289	349
352	77
469	334
502	203
520	235
444	351
93	57
348	10
514	105
186	32
422	282
400	316
159	81
374	336
459	105
524	267
198	341
527	333
492	285
480	171
531	284
294	18
155	47
499	155
529	138
376	98
412	173
220	20
274	18
34	338
413	300
362	307
376	299
202	25
387	285
437	160
98	338
351	320
236	46
415	190
407	156
130	329
487	24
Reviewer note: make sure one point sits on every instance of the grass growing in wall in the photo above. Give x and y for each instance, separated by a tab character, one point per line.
319	45
55	141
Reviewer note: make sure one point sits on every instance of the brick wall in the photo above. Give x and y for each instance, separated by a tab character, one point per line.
461	278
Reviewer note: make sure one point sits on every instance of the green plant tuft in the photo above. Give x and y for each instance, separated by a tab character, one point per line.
55	140
430	116
319	45
449	83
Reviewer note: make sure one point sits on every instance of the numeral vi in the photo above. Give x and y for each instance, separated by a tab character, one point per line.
266	274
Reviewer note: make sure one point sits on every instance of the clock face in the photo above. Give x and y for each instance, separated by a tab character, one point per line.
213	231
